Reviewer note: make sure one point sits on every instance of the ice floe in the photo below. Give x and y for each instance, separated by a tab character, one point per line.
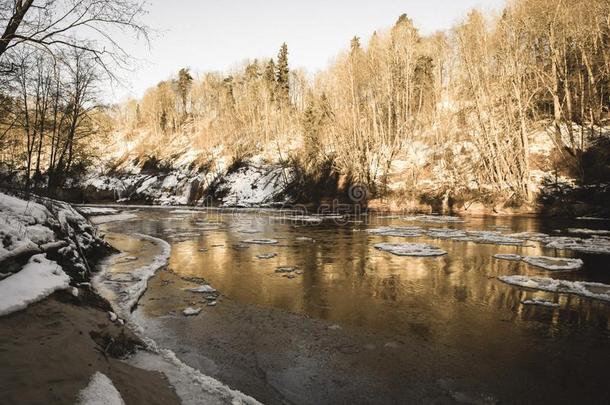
410	249
260	241
205	288
507	256
190	311
596	244
586	231
583	288
405	232
265	256
100	391
434	218
38	279
285	269
553	263
128	292
541	302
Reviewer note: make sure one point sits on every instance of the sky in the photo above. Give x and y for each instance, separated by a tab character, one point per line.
217	35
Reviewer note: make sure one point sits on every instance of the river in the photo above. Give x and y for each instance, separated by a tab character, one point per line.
348	323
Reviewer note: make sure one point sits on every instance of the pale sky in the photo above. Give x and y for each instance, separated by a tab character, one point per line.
216	35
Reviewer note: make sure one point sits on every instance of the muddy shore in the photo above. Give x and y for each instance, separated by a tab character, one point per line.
49	352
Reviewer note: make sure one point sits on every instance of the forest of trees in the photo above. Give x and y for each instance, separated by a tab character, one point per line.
487	84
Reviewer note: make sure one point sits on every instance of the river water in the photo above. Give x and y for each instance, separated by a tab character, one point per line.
353	324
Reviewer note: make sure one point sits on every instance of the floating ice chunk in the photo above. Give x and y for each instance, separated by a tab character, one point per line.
541	302
100	391
206	289
304	238
596	244
535	236
593	218
334	327
446	233
586	231
285	269
182	211
190	311
410	249
433	218
553	263
298	218
507	256
494	238
260	241
583	288
249	231
265	256
405	232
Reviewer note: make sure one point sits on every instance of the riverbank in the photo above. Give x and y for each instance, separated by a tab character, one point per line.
58	337
50	351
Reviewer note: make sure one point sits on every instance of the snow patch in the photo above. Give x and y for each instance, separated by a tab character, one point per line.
100	391
38	279
103	219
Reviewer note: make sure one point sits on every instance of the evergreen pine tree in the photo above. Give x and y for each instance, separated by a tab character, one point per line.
282	74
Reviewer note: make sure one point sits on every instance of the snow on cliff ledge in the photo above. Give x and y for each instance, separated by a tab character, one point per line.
252	186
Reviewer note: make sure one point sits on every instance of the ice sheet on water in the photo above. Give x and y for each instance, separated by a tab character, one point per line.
587	231
100	391
265	256
128	292
494	238
595	244
507	256
410	249
583	288
260	241
553	263
541	302
535	236
434	218
446	233
405	232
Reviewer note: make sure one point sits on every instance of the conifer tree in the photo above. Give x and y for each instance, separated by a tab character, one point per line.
282	74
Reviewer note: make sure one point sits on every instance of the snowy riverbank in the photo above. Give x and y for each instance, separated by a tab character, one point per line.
46	301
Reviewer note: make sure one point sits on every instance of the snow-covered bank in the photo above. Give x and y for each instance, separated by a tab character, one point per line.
46	244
